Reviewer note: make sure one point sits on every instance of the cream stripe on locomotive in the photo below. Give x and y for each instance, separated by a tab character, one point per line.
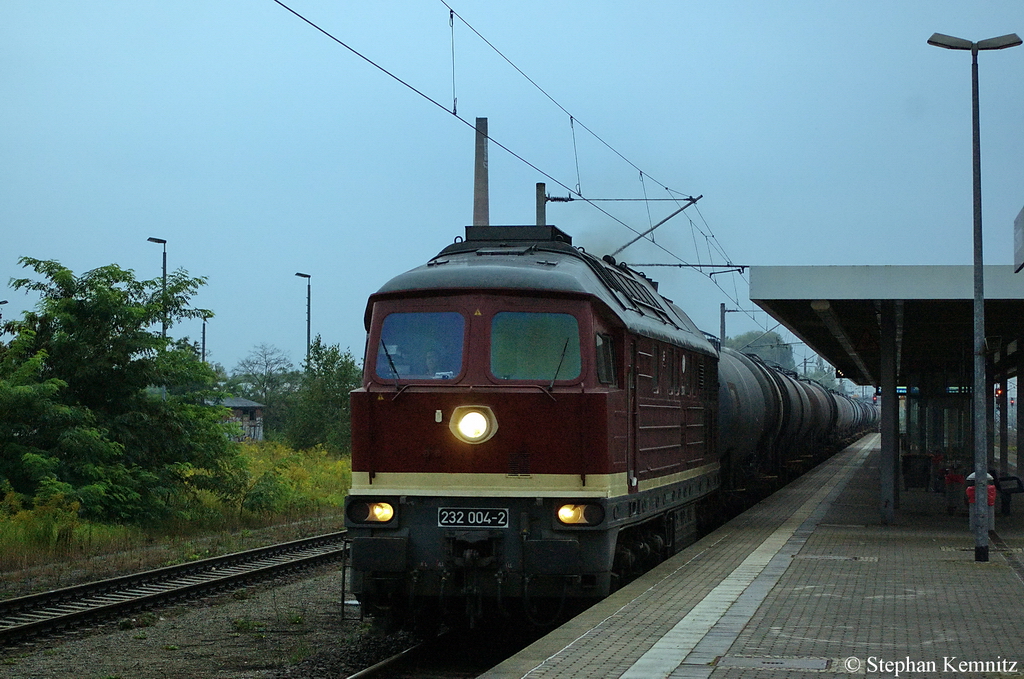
668	480
535	485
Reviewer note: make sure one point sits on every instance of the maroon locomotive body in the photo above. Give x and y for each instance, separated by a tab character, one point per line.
535	426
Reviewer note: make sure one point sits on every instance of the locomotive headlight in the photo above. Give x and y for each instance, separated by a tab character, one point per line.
371	512
473	424
381	512
580	515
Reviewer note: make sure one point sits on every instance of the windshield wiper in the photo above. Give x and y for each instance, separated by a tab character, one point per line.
559	367
391	362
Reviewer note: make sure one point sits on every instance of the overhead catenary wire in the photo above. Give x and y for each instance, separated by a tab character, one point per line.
468	123
455	98
545	93
573	121
575	155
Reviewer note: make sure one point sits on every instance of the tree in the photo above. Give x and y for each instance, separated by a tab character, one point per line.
768	345
82	416
267	376
38	430
824	374
320	413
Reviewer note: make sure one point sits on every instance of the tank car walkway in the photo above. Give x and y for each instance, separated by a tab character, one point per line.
805	583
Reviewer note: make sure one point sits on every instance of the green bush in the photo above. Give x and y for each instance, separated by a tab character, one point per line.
273	485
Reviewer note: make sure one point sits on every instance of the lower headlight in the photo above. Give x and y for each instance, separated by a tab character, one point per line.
371	512
473	424
580	515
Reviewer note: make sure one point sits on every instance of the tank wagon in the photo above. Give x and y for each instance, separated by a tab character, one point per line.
537	425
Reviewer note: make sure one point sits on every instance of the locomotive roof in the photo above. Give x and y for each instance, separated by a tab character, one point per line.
542	258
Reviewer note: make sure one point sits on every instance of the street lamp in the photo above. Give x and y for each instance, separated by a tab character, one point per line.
163	294
980	516
308	290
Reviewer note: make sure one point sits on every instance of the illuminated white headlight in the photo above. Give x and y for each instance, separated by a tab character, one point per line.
473	424
371	512
381	512
571	514
580	515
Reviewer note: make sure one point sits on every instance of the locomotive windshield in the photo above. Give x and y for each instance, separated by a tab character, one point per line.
535	346
421	345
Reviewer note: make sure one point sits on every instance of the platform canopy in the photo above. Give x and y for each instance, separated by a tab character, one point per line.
835	310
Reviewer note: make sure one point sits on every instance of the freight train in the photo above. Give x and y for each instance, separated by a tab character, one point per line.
537	425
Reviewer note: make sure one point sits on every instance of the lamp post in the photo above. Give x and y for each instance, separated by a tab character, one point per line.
979	517
163	302
163	294
308	290
205	318
2	302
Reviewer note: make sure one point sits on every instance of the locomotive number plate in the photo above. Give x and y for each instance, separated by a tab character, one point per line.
468	517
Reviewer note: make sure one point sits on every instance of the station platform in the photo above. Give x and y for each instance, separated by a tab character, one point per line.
808	582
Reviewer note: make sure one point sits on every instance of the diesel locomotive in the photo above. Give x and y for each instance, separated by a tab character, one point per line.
537	425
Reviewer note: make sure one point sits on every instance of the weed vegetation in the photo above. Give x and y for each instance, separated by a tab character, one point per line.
277	494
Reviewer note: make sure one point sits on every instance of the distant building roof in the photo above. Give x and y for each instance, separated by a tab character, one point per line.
233	402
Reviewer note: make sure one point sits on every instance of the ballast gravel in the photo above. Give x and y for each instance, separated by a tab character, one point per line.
297	629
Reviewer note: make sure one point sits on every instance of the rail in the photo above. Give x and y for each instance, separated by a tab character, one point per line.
60	609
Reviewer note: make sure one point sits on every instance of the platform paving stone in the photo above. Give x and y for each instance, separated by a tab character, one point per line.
809	583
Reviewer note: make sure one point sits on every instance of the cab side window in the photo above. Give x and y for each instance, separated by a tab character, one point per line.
605	359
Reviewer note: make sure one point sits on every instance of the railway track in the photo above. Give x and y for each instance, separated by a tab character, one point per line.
62	609
453	654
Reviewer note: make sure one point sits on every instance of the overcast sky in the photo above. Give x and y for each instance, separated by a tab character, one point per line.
817	133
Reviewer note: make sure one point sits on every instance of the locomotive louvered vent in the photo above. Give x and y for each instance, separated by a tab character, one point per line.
638	293
632	290
519	464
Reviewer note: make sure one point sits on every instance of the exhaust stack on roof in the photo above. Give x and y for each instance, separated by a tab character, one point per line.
481	200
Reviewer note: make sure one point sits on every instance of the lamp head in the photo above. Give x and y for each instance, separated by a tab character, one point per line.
949	42
1000	43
